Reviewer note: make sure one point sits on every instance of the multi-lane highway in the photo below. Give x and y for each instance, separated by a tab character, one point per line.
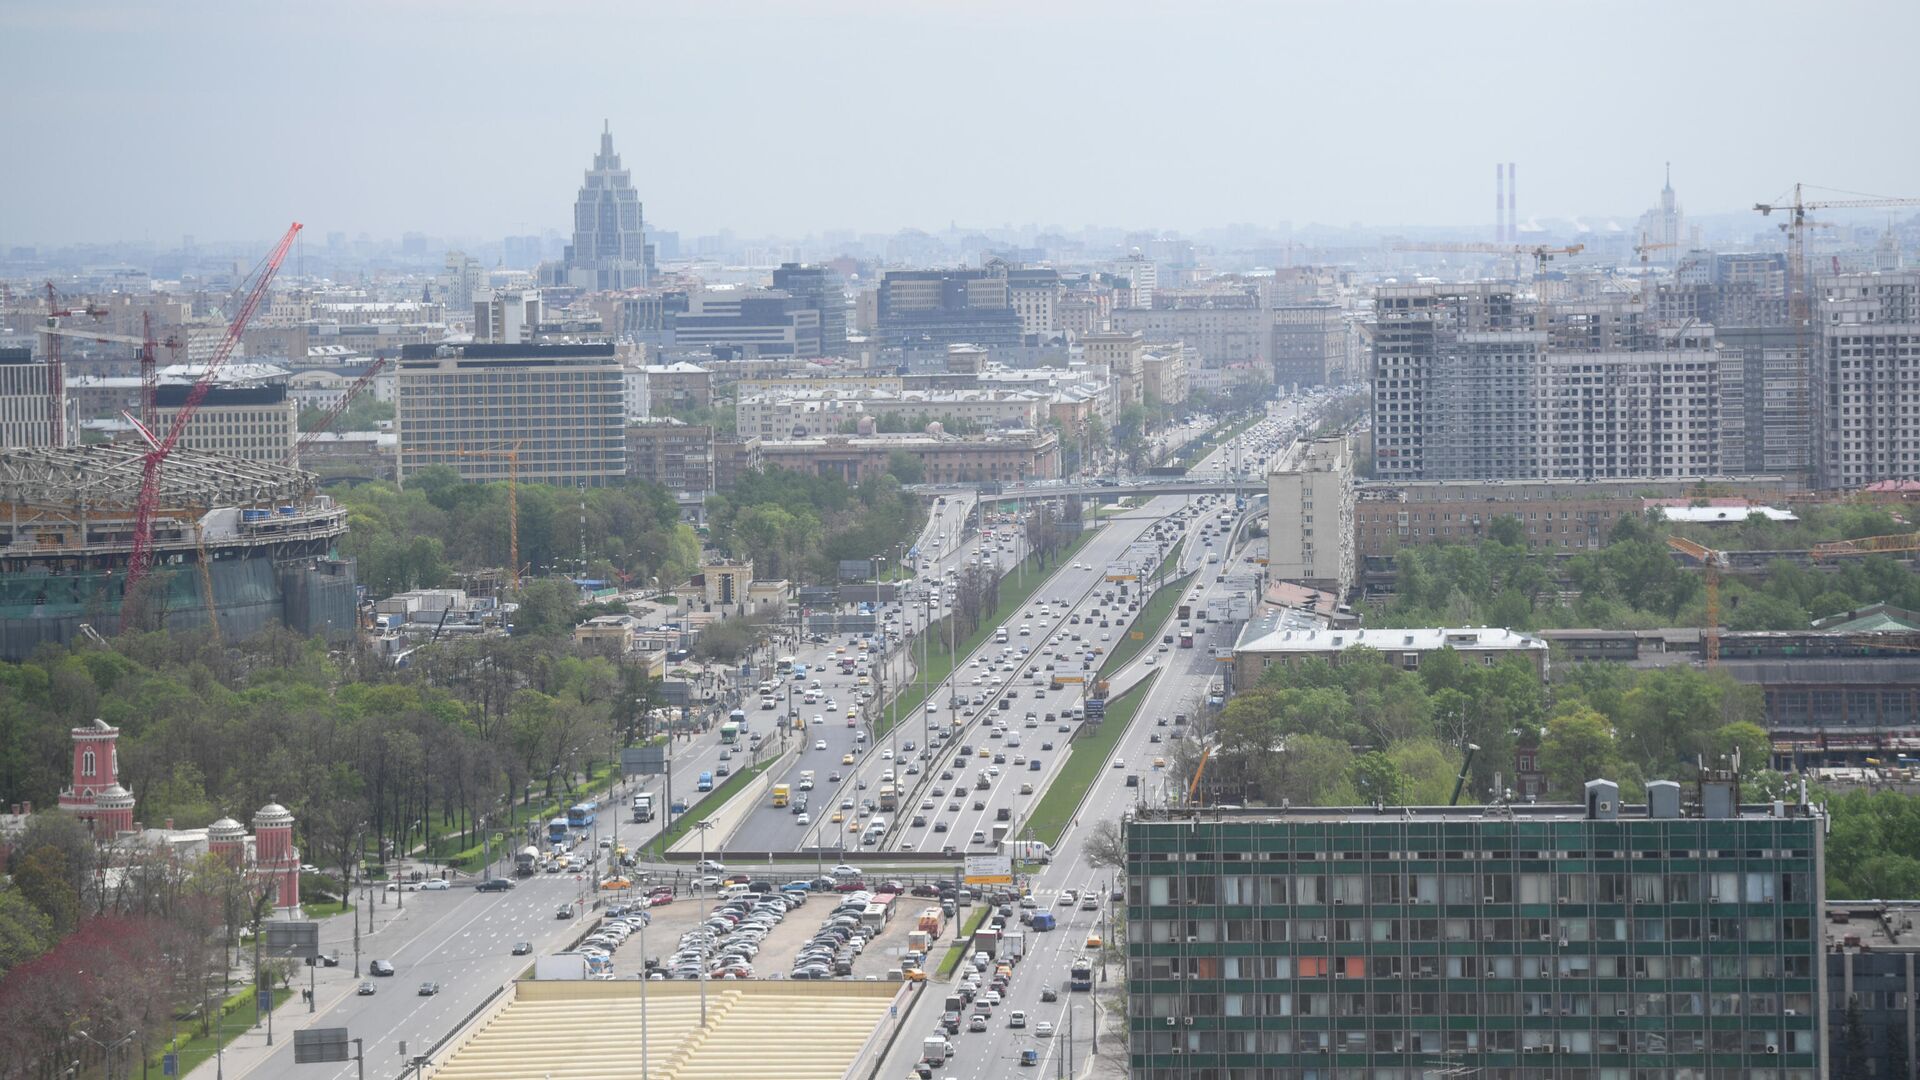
1075	1018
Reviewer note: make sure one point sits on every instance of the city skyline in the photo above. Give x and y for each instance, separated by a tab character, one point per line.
234	140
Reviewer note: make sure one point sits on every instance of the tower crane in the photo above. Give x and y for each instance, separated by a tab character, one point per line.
159	447
1799	301
1866	545
1711	564
1540	253
56	367
149	355
1645	245
511	452
365	380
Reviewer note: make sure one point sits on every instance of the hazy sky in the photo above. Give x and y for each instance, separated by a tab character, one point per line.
150	119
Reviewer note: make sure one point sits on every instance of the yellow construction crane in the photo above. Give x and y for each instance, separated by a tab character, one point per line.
1799	301
1866	545
1711	563
1645	245
1541	254
511	452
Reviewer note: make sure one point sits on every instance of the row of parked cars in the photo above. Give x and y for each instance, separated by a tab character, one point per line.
724	946
840	939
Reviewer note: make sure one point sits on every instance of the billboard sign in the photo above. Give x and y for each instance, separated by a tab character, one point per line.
989	870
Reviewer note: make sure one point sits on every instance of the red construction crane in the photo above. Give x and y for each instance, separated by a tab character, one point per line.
141	560
365	380
56	368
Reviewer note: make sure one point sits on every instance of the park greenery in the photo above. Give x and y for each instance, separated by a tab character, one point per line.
423	535
1637	582
800	527
363	413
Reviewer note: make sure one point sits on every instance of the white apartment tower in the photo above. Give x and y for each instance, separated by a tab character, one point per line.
1866	384
1310	515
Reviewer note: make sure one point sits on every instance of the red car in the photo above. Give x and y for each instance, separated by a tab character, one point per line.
850	885
659	898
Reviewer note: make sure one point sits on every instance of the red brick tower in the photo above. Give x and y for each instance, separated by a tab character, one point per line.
227	839
95	795
274	856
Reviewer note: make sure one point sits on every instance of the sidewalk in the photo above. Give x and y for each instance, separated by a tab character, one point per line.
249	1050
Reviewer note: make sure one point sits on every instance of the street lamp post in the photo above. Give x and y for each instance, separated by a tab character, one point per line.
707	905
108	1048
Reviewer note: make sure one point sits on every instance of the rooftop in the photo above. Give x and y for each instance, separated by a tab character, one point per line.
589	1029
107	476
1872	924
1266	635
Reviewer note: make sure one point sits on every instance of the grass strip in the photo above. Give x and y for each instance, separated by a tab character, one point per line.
958	949
940	659
1086	756
198	1049
1153	615
657	847
1194	451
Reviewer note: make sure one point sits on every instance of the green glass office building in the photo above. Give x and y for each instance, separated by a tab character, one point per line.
1673	941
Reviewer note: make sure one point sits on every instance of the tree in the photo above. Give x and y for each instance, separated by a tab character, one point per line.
906	467
1106	845
1851	1062
1895	1057
1578	747
25	930
548	607
1377	779
1311	771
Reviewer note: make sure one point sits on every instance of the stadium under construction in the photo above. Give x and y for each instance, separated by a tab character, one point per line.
252	542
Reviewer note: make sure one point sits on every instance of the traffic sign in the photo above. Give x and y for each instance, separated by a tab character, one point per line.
318	1045
1096	708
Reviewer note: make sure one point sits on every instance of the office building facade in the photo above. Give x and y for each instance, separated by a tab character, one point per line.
1518	942
254	423
820	289
924	311
1309	345
558	408
26	412
748	324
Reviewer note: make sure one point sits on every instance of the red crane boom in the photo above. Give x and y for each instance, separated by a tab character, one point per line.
141	560
365	380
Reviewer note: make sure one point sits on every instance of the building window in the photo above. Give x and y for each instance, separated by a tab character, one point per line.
89	765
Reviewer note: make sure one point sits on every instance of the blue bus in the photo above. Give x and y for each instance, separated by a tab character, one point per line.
581	815
557	831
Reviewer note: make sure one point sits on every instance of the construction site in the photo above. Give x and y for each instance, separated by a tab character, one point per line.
236	546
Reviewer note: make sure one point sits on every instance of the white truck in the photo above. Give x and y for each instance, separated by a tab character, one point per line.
934	1049
1013	945
563	966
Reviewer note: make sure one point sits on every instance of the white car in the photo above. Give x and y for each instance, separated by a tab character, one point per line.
803	818
843	870
819	744
435	885
887	754
711	866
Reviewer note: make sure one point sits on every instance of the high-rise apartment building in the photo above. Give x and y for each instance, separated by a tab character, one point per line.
821	289
461	281
1614	415
1766	416
1309	345
558	408
609	250
1453	371
1310	500
1036	294
1221	327
1510	942
1867	380
25	409
1117	355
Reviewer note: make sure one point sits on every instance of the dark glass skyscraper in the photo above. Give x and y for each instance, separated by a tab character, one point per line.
819	288
609	248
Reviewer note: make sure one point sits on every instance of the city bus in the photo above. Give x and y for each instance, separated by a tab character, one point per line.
783	666
729	732
557	831
780	793
581	815
1081	976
